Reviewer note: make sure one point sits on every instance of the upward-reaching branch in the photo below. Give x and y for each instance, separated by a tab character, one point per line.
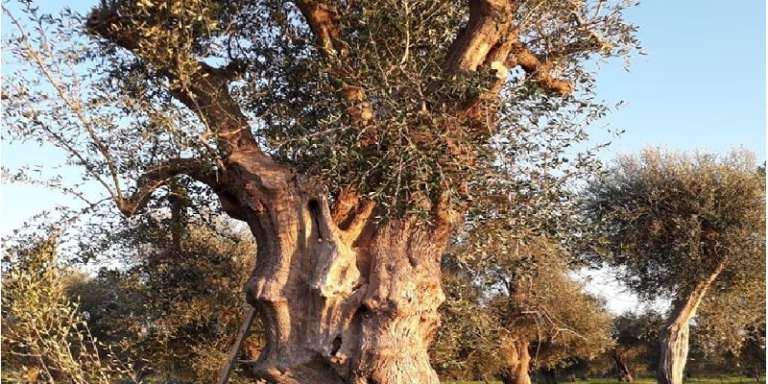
490	23
490	38
205	90
323	19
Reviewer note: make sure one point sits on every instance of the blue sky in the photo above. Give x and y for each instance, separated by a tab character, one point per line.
701	86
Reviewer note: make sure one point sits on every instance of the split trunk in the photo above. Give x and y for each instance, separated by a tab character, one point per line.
517	360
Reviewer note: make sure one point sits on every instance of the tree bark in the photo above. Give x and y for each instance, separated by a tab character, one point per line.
517	360
674	337
622	368
344	298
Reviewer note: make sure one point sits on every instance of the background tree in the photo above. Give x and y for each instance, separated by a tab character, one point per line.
683	226
547	319
728	330
466	346
537	316
637	344
45	338
174	305
351	138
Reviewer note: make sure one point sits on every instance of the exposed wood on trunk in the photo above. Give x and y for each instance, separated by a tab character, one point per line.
517	359
343	305
674	336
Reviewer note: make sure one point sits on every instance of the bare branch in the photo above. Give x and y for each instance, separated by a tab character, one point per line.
159	176
538	67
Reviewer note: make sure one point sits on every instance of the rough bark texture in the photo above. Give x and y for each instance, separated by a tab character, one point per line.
518	362
347	301
622	368
674	337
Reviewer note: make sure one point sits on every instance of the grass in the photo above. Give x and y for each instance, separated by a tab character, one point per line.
709	380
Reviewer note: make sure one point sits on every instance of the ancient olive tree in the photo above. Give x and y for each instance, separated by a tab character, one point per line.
350	136
683	226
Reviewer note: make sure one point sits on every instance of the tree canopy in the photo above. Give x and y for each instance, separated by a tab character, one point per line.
670	219
691	227
363	96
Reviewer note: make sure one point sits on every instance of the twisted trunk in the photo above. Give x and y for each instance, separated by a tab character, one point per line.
344	299
674	337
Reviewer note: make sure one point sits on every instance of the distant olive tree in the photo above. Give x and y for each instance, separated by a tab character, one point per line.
45	337
637	347
514	309
682	226
175	304
547	318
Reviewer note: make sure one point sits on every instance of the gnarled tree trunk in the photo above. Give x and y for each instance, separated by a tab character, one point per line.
517	360
345	299
674	337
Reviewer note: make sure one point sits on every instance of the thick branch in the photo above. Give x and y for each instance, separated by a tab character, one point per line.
205	90
491	39
538	67
159	176
489	23
323	19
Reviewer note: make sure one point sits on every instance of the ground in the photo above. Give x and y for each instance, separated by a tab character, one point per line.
711	380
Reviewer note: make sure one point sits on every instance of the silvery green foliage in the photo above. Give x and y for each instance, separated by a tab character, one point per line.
45	335
669	219
112	114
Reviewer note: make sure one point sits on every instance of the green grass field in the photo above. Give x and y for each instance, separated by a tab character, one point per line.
711	380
